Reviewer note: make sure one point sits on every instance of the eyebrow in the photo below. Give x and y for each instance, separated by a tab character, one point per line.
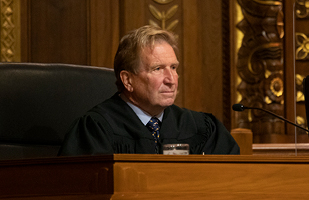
158	64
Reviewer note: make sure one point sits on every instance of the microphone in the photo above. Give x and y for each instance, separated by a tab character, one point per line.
240	108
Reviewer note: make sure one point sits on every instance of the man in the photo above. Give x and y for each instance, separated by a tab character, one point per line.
146	70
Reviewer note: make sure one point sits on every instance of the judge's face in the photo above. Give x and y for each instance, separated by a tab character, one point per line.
155	86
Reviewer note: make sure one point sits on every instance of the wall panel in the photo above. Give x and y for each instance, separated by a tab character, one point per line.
202	46
88	32
104	32
59	31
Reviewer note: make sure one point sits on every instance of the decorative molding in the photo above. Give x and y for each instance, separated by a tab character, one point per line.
302	46
260	66
163	1
302	9
269	2
226	64
300	97
9	31
164	16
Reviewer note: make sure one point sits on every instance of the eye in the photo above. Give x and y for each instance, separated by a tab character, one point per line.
157	68
174	67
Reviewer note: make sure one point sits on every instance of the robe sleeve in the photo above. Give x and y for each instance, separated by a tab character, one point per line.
219	139
89	135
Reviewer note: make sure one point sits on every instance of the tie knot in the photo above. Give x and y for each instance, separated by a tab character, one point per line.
153	124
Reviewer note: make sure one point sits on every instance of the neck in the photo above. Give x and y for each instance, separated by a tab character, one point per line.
150	110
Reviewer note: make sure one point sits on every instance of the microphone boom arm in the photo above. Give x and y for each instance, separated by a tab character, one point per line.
271	113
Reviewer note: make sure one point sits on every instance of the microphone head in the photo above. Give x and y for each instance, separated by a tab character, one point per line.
238	107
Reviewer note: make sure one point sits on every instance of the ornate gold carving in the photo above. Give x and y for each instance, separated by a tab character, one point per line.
299	79
164	16
300	120
260	64
278	3
9	32
299	88
270	47
163	1
302	46
267	100
276	86
280	25
302	8
273	86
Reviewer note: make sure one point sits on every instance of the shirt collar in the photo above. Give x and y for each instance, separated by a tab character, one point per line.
142	115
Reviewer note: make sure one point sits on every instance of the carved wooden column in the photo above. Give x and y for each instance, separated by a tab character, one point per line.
301	60
260	68
271	64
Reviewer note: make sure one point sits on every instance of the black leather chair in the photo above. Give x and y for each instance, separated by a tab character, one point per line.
39	102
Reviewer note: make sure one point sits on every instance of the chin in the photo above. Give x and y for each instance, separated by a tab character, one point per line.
168	103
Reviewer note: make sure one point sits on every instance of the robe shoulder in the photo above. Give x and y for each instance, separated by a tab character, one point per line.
113	127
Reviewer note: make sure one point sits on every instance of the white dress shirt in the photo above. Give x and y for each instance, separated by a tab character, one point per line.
142	115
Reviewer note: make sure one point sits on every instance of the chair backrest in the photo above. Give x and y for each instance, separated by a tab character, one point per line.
306	93
39	102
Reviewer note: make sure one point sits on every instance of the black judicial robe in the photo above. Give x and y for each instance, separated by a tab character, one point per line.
113	127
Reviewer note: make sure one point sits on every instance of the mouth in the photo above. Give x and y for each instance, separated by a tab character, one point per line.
168	92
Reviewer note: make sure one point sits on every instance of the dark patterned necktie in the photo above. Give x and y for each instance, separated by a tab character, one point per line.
154	126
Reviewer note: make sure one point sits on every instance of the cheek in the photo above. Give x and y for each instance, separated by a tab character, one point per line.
157	85
140	84
176	78
153	82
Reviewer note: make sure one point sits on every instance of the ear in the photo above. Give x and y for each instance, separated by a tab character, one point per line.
126	80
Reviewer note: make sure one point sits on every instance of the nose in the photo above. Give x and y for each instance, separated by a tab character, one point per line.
170	75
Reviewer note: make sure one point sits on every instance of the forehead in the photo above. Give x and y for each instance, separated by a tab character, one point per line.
160	51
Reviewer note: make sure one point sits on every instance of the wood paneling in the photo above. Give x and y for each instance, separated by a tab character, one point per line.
192	56
136	176
133	14
71	31
88	32
289	66
300	149
202	56
59	31
25	31
104	32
